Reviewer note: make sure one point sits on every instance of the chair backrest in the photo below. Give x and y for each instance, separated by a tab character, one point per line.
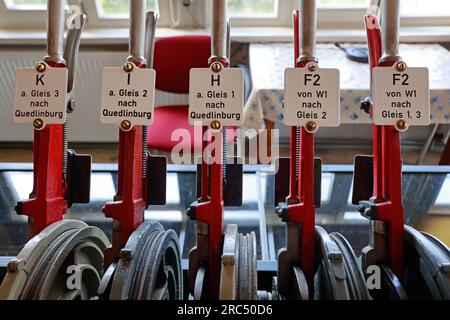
175	56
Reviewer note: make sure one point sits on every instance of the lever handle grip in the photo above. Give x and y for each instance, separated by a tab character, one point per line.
72	47
151	20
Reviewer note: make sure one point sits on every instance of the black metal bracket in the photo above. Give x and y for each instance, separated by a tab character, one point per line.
78	178
232	182
362	179
156	179
282	167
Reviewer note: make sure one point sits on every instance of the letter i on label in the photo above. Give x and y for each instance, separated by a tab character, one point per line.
127	96
311	97
40	94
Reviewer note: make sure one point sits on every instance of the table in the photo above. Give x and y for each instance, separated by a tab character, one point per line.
268	62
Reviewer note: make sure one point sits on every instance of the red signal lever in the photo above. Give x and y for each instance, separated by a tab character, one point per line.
299	209
385	207
55	183
132	196
208	210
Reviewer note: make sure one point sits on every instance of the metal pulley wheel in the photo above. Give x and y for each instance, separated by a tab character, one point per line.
427	273
339	276
149	267
64	261
247	288
238	277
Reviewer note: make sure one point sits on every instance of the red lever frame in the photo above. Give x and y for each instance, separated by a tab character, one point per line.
209	208
387	166
131	199
301	193
47	203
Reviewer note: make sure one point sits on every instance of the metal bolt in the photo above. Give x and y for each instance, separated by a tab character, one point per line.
13	265
216	67
126	255
311	126
128	67
38	124
215	125
41	67
401	66
312	67
401	125
125	125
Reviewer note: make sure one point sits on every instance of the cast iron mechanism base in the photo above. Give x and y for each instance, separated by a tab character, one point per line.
427	268
238	276
337	277
149	267
63	262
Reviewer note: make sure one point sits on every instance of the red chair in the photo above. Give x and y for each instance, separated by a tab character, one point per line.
173	58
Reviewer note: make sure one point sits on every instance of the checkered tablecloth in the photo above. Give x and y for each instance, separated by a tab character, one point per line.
268	61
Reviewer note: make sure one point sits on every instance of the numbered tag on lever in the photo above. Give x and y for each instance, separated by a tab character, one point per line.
41	95
401	95
128	96
216	98
311	97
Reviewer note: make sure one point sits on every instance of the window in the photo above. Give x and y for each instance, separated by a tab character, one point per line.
118	8
114	13
344	3
253	7
26	4
332	14
260	12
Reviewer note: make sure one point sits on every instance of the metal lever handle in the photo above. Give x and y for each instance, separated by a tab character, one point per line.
72	48
390	25
150	31
220	29
228	38
55	31
307	30
137	32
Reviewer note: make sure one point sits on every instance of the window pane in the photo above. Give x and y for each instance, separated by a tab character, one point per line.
252	7
27	4
425	7
355	3
119	7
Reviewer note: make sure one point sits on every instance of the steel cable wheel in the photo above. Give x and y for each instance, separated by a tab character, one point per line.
150	266
247	286
338	276
356	279
427	272
63	262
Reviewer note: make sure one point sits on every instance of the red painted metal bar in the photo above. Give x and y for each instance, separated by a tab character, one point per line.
387	166
303	212
210	205
130	202
47	203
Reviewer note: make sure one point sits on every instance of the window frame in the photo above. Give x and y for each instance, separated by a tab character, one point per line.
329	17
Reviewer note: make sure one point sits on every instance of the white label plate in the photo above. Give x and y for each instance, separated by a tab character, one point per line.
311	96
127	96
401	95
216	96
40	95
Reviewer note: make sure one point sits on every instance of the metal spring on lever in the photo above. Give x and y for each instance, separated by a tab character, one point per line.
297	153
224	154
65	147
144	151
